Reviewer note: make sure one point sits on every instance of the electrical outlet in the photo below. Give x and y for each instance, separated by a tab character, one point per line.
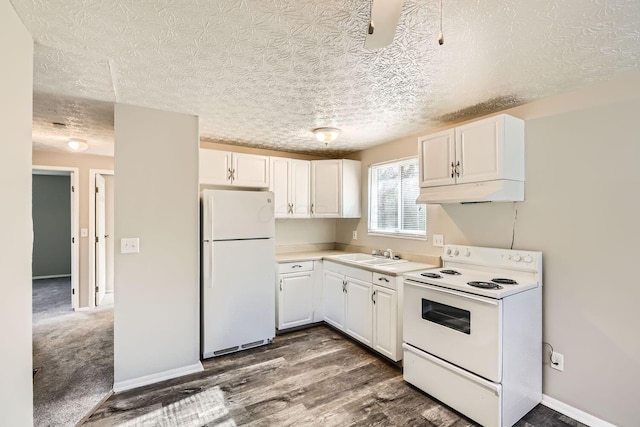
130	245
557	361
438	240
355	234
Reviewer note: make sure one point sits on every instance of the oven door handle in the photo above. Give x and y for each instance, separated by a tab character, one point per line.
458	294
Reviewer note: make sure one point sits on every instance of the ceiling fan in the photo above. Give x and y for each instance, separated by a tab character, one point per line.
384	17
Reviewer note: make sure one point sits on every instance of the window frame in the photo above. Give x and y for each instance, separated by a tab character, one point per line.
422	235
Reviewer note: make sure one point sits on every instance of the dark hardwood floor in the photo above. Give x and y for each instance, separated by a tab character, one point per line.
310	377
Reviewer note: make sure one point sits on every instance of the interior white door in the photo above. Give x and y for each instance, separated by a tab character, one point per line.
100	239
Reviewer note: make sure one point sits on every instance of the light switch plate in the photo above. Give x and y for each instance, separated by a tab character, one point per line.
355	234
438	240
130	245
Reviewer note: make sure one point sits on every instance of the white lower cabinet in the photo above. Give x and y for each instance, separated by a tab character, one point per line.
385	320
295	294
333	298
364	305
358	322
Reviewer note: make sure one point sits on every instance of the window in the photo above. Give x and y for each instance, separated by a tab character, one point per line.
393	189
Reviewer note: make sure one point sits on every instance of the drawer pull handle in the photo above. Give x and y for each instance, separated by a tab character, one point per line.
373	295
297	266
384	279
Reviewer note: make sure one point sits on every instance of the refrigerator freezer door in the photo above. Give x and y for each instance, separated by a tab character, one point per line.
232	215
238	298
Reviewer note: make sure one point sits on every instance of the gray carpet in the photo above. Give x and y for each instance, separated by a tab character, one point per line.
73	352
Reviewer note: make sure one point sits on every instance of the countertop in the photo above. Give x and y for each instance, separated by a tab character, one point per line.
392	270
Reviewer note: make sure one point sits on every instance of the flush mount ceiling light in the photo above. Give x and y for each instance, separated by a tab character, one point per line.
326	135
77	144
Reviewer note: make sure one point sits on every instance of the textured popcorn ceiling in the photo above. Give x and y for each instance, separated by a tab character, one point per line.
265	73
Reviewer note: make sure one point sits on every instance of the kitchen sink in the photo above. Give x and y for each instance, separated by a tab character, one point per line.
356	257
366	259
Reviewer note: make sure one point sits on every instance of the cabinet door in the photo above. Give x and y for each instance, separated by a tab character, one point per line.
250	170
279	184
436	157
385	322
358	321
215	167
295	300
326	184
333	299
480	150
299	187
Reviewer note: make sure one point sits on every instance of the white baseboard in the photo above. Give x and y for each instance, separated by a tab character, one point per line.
82	308
52	276
121	386
574	413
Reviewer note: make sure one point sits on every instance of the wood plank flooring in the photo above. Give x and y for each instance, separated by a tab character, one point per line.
310	377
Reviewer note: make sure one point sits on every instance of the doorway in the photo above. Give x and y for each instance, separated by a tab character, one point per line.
101	251
56	245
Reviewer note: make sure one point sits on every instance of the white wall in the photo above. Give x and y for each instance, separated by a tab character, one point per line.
581	210
156	324
16	83
293	232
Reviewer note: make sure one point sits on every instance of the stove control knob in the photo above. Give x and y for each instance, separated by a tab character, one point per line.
517	258
467	252
528	259
449	251
456	252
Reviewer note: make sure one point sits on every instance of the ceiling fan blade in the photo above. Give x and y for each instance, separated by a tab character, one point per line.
385	15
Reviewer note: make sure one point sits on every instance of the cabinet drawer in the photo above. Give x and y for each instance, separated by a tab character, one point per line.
385	281
295	267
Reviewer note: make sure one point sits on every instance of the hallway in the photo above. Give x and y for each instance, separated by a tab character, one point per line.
72	352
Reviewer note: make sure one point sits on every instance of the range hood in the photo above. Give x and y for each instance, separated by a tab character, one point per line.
502	190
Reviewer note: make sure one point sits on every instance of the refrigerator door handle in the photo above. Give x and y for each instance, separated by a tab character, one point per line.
207	264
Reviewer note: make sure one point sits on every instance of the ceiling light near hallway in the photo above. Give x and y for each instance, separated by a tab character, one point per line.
77	144
326	135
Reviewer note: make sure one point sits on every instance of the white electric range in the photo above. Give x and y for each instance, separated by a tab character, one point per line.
472	332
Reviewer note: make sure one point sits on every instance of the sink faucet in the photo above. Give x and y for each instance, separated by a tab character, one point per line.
389	252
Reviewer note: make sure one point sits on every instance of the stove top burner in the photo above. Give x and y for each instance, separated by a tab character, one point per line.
431	275
484	285
451	272
503	281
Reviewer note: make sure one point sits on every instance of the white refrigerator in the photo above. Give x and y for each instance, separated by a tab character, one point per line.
238	271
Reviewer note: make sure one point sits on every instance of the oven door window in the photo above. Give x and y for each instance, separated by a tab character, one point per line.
446	315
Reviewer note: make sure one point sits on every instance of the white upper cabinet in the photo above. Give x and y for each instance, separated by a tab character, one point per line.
290	182
485	150
234	169
215	167
335	189
437	159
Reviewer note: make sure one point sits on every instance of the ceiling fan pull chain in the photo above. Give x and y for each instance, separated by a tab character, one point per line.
441	35
371	26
